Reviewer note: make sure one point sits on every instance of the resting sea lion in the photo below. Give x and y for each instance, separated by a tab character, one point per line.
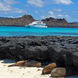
48	68
27	63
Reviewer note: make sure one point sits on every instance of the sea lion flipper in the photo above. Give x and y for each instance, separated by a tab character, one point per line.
11	65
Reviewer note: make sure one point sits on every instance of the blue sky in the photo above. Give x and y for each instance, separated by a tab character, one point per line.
40	9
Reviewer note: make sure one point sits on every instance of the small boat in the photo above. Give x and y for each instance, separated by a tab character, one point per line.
39	24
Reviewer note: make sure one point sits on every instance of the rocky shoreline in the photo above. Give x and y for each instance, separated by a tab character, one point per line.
62	50
56	49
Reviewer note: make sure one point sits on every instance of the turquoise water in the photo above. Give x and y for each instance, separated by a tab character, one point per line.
6	31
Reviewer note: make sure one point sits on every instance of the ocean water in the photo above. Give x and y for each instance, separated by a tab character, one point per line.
6	31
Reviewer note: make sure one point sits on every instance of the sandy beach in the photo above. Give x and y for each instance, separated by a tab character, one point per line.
19	72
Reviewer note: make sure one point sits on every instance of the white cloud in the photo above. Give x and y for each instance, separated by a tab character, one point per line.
66	2
10	16
63	16
36	12
51	14
60	15
42	17
6	7
38	3
3	8
10	1
57	10
17	10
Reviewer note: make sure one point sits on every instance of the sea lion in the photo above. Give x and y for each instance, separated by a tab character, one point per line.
27	63
48	68
58	37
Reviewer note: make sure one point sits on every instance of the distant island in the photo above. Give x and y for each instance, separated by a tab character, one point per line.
26	19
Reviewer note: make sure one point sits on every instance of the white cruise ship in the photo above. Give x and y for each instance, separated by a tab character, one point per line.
39	24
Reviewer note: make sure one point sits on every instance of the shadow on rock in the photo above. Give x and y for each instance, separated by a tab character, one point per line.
8	61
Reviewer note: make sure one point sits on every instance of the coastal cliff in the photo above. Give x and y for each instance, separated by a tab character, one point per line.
21	21
52	21
27	19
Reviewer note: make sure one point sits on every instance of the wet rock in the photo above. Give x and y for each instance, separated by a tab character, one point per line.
75	59
58	72
36	52
71	71
48	68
